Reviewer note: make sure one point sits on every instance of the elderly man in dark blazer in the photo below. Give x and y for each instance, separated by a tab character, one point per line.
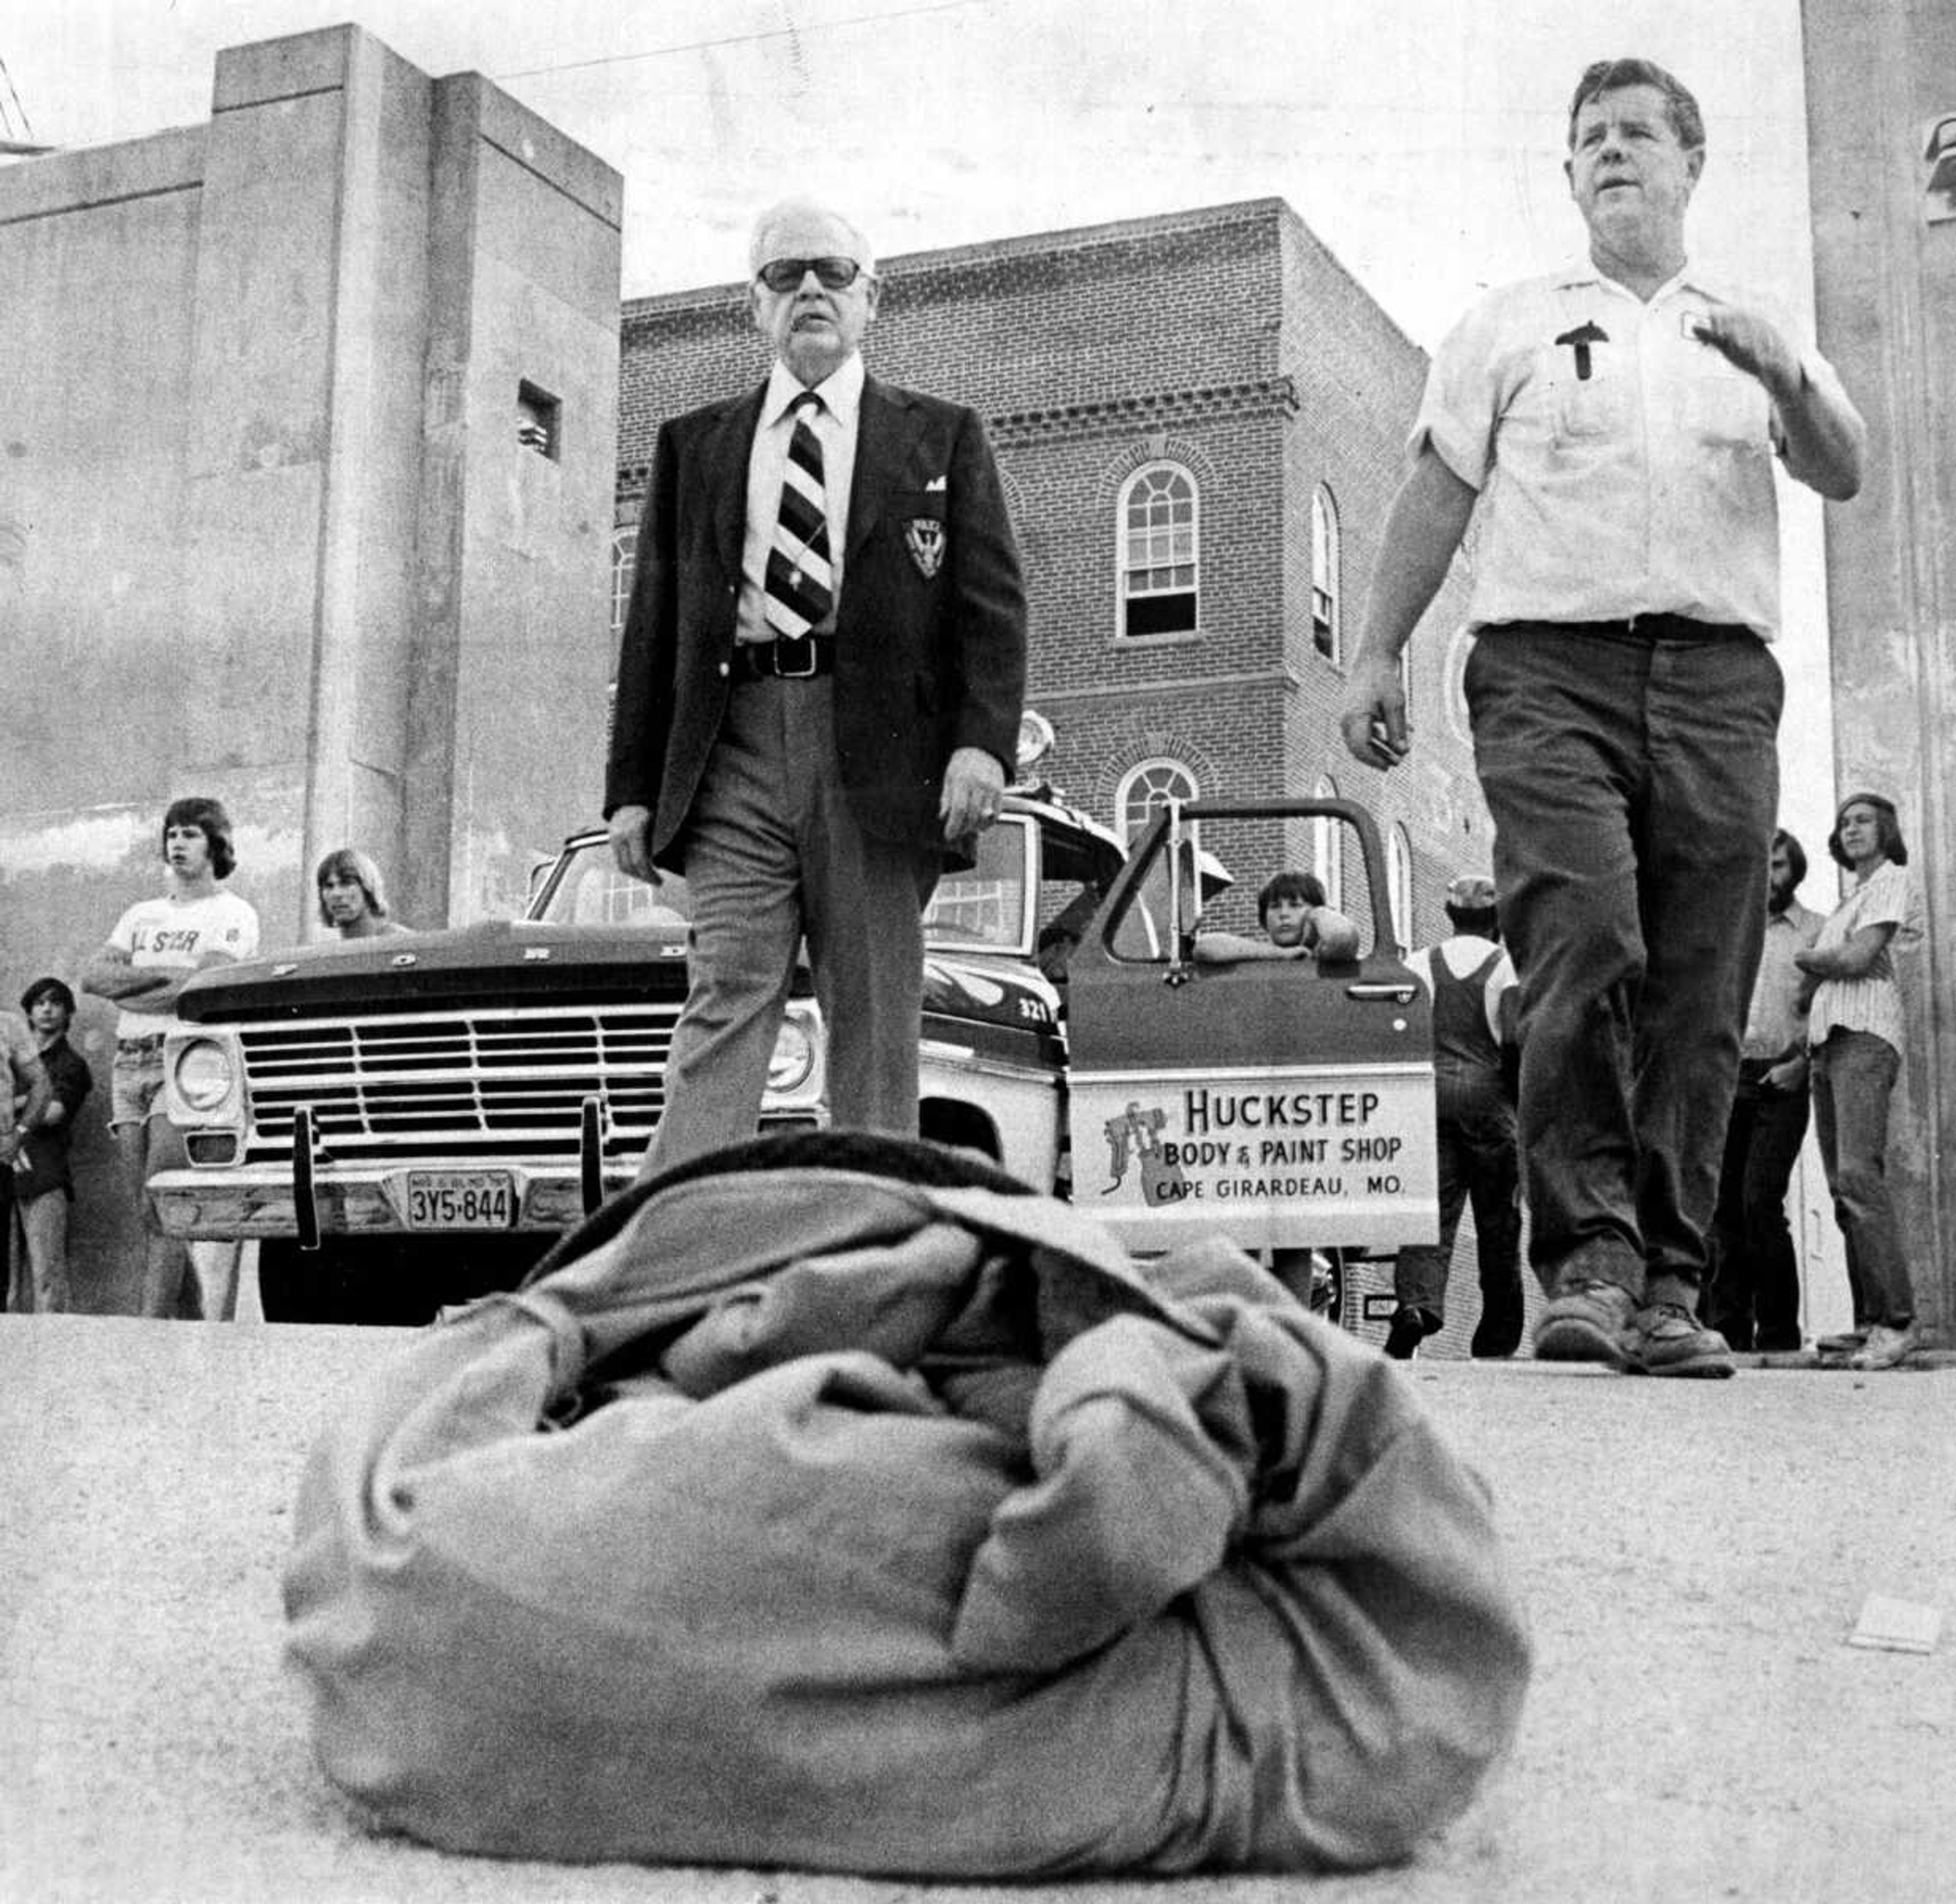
819	692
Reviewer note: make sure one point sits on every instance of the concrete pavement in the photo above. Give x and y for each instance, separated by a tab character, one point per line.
1694	1555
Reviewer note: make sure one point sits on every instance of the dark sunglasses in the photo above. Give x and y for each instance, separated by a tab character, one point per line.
831	273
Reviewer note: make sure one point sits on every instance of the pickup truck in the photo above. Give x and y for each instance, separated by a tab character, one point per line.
401	1123
405	1124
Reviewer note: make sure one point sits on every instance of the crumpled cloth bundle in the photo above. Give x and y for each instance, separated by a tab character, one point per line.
839	1503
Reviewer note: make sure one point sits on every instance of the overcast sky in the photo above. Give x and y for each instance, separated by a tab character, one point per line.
1421	139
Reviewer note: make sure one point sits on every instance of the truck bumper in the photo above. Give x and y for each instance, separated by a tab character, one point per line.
313	1196
259	1199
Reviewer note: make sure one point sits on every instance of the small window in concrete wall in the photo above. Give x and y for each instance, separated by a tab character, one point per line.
539	420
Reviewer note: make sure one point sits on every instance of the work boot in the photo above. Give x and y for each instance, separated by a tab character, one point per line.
1885	1348
1587	1320
1666	1339
1410	1326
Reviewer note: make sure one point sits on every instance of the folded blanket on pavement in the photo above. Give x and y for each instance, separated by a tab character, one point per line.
838	1503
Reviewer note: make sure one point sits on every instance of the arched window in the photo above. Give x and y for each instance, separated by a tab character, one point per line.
1159	535
1152	783
1399	885
1325	634
624	565
1327	855
1453	685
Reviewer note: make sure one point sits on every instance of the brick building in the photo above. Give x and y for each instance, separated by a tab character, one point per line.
1200	418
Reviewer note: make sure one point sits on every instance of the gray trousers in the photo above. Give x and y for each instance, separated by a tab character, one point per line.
1854	1074
773	854
40	1285
1634	785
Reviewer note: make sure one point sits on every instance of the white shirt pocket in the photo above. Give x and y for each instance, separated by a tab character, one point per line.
1722	407
1583	411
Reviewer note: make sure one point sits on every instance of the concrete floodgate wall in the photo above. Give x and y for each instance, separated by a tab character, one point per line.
268	529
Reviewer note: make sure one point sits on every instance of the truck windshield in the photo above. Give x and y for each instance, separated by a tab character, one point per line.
589	890
989	908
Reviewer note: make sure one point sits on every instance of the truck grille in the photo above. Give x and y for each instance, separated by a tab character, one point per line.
486	1084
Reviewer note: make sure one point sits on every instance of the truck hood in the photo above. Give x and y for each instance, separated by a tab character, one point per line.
517	962
997	1005
500	962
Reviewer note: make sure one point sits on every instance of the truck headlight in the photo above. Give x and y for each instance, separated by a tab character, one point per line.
793	1059
204	1076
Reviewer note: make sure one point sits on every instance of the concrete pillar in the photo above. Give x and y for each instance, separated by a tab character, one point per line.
511	645
1879	81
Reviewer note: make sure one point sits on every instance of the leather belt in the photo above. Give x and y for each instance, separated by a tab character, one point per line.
1641	628
791	658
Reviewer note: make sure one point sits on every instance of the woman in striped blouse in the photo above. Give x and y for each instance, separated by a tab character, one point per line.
1854	1030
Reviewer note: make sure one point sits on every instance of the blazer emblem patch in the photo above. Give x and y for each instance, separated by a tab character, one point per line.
924	538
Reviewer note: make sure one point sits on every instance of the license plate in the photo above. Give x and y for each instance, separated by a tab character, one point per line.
460	1200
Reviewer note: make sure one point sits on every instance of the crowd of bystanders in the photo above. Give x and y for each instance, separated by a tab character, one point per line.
155	947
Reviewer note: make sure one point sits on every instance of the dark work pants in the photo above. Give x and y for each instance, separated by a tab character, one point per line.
1475	1129
1755	1296
1634	785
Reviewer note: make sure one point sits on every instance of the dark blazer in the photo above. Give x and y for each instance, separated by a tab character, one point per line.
924	662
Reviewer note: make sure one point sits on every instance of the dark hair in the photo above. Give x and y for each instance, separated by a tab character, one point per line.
1306	887
49	987
1613	75
1796	853
1483	921
209	816
349	863
1888	830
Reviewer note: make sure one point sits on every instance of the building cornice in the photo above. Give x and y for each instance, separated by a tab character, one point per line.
1152	411
1181	686
1262	396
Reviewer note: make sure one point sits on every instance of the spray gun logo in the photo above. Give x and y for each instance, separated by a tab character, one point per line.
1136	1132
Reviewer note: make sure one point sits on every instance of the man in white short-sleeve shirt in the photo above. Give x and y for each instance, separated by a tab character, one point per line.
157	945
1615	427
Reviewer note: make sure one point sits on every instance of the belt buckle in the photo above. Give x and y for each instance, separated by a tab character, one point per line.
800	643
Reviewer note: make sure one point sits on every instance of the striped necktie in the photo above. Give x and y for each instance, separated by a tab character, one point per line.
800	586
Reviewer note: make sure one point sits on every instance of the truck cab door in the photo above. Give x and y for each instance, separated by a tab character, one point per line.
1287	1104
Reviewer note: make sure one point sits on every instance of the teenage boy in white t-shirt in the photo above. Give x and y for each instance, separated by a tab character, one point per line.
158	944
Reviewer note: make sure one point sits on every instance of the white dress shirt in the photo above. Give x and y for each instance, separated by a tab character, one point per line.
1631	475
834	425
